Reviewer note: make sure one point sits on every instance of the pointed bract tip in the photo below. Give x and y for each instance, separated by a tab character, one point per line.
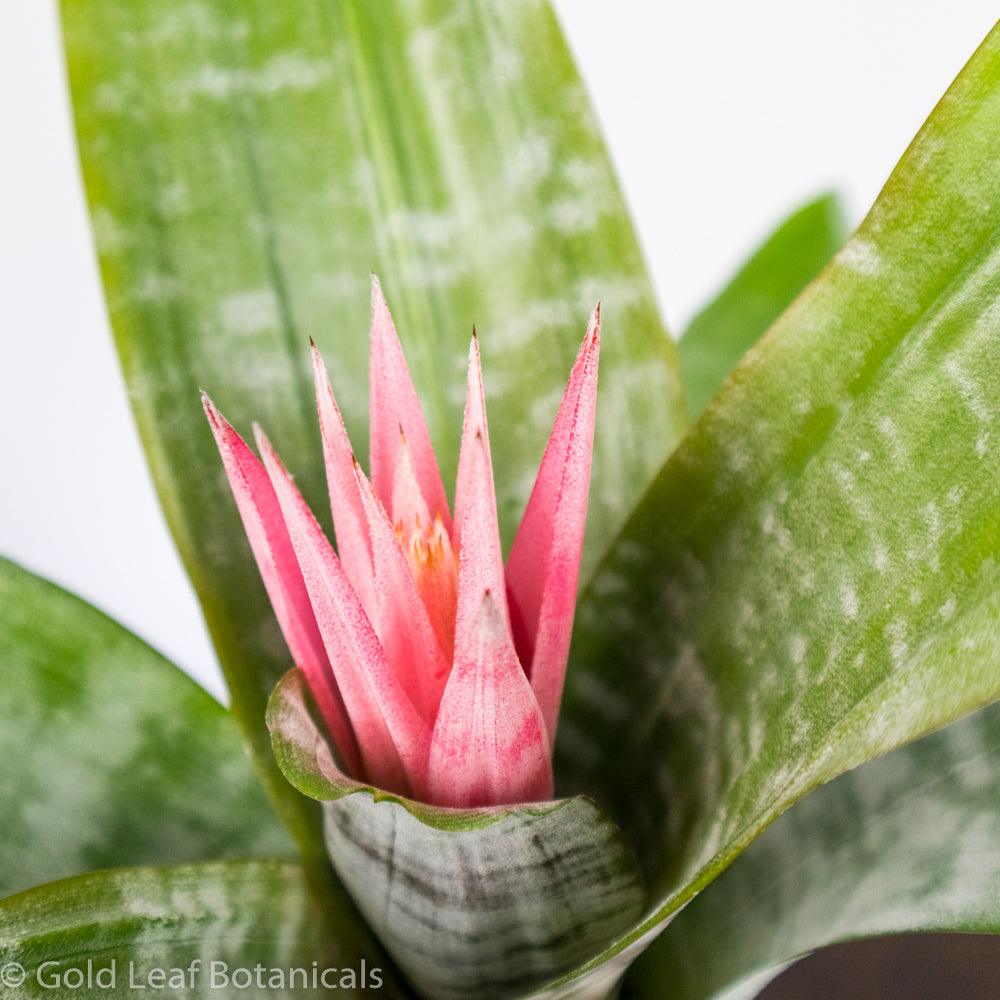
381	326
489	619
361	479
268	453
264	445
319	365
215	418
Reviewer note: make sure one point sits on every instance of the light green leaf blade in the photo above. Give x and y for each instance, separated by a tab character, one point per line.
814	578
907	843
110	755
130	922
244	171
728	326
469	902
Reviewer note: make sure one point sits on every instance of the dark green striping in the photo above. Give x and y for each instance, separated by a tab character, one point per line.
485	912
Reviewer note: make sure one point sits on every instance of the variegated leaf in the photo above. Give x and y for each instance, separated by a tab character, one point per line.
110	755
237	928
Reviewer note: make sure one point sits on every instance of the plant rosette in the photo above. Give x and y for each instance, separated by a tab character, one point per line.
802	581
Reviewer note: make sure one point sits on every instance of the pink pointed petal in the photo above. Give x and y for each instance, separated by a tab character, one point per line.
272	548
474	422
408	509
401	621
392	738
480	560
349	523
394	405
489	744
544	562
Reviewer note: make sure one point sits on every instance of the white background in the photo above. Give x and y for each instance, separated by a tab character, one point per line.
719	116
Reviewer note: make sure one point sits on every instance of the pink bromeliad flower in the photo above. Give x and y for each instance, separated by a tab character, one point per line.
437	670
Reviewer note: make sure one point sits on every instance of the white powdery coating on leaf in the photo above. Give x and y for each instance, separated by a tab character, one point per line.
849	601
250	311
861	256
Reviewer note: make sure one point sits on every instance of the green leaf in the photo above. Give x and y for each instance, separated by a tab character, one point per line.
225	916
109	755
469	902
725	329
245	168
907	843
814	578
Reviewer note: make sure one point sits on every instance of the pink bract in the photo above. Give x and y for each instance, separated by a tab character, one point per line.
437	670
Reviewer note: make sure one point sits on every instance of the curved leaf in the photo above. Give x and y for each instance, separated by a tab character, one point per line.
244	171
110	755
814	578
725	329
208	924
470	902
910	842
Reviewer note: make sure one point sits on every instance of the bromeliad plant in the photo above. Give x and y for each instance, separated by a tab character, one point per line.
804	580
